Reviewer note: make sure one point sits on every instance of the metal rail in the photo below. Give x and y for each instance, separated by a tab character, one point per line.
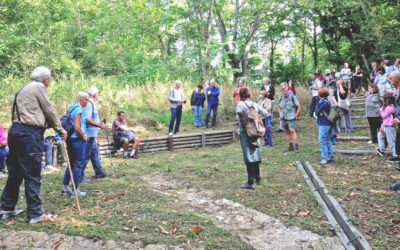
349	235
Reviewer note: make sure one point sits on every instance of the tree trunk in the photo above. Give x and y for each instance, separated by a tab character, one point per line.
315	45
271	59
303	45
207	38
245	61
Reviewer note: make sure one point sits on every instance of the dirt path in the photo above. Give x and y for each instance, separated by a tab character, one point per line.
255	228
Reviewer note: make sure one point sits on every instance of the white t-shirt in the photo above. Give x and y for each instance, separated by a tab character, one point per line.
317	84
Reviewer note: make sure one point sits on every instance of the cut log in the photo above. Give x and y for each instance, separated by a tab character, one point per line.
194	145
219	139
186	142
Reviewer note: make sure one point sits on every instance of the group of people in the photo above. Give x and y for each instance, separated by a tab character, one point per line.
22	150
176	98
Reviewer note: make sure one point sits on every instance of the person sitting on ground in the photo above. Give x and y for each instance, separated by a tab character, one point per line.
197	102
123	135
341	100
48	155
316	85
265	103
382	82
324	127
372	106
76	145
176	99
212	93
236	94
32	113
358	80
394	78
289	111
250	147
93	125
387	129
4	152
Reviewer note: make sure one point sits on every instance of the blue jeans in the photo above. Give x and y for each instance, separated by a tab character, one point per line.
267	135
197	113
24	164
76	153
176	114
214	108
92	153
48	152
4	152
325	142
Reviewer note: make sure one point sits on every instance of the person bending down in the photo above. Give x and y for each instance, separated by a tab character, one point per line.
123	135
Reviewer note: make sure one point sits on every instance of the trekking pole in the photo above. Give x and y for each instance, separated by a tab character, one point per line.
109	150
72	178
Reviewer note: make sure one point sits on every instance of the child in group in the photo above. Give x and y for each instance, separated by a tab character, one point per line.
265	103
387	129
373	104
324	127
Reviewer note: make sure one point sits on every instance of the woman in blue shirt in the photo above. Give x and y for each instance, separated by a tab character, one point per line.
197	102
76	144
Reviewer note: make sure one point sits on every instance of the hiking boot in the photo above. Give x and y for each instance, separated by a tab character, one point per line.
380	152
247	186
395	187
66	191
40	218
393	159
5	215
80	194
258	182
296	148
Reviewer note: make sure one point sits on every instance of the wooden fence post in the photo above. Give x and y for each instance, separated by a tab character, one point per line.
170	143
203	140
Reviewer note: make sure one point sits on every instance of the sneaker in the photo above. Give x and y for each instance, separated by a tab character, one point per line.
86	180
214	128
2	175
64	164
175	133
380	152
397	167
66	191
279	130
126	156
41	218
258	182
331	159
247	186
369	142
323	161
296	149
5	215
393	159
102	175
134	156
171	134
50	167
80	194
395	187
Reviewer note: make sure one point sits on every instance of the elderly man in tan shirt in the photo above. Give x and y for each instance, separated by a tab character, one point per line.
32	113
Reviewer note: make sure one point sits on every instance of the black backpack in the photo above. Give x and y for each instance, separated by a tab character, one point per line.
67	123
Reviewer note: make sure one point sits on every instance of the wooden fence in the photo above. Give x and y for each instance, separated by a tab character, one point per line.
176	142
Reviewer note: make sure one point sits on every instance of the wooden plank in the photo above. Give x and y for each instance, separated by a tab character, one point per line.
358	152
356	126
189	138
203	140
358	117
193	145
354	236
54	156
361	138
358	110
219	143
219	139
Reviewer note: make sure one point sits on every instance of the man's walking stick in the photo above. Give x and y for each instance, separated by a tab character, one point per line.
109	150
72	178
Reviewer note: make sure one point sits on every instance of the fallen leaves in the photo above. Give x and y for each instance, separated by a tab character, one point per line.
196	229
162	230
58	243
